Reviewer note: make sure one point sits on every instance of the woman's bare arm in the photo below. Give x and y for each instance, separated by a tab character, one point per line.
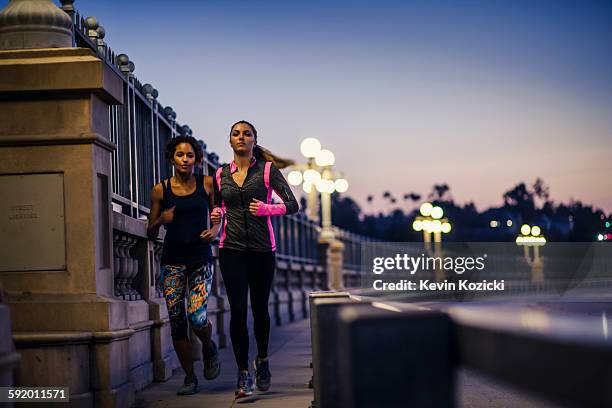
157	218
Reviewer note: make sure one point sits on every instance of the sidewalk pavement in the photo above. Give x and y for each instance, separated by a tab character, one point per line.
290	357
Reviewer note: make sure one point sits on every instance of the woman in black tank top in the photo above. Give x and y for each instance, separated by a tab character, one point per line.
181	203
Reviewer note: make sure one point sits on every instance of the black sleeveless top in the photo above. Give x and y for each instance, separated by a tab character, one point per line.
182	243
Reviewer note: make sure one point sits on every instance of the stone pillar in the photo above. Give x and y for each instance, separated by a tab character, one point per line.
57	266
331	254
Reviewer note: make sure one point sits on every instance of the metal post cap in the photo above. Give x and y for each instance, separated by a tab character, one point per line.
149	91
67	5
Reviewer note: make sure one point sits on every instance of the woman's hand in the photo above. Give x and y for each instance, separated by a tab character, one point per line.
254	206
261	209
209	235
168	215
215	216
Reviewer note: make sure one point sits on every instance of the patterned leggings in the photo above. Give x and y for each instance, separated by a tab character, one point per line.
177	279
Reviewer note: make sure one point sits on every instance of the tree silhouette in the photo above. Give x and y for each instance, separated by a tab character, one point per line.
541	191
370	200
346	213
412	197
439	192
518	196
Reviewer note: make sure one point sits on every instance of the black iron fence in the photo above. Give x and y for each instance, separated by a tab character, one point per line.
140	129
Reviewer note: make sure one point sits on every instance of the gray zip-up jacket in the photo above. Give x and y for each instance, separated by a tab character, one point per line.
242	230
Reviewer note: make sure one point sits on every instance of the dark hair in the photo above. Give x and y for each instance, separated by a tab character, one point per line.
244	122
260	152
175	141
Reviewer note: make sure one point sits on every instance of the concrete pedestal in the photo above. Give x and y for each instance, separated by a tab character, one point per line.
57	268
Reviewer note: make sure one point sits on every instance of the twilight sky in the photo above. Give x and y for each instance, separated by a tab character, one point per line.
477	94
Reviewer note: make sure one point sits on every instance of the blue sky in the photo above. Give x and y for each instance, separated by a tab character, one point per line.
477	94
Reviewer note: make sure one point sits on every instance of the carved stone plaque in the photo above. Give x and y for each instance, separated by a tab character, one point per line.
32	222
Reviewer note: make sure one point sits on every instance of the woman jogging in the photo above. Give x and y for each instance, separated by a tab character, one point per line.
181	204
243	194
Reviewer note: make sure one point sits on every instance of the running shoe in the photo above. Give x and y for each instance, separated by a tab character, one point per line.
190	386
262	374
212	365
244	386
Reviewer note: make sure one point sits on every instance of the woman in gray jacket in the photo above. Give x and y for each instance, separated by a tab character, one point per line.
243	196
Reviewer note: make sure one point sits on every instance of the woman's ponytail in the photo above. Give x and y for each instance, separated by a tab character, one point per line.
261	153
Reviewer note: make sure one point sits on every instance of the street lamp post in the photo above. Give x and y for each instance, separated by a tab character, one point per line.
431	221
316	176
531	236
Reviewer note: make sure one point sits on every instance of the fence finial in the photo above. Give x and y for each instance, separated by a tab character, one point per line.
125	65
170	113
101	44
92	29
150	92
186	131
29	24
68	6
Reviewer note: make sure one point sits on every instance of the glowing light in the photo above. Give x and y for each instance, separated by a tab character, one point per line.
341	185
417	225
325	158
325	186
607	224
446	227
530	240
509	223
535	230
311	176
307	187
437	212
426	225
525	229
310	147
493	224
600	237
295	178
426	209
436	226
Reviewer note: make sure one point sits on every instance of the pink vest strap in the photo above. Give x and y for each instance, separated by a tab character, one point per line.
267	174
268	201
218	177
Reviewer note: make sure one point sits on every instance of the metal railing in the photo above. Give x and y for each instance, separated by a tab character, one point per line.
140	128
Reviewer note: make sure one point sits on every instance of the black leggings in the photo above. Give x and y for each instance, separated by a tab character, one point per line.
243	271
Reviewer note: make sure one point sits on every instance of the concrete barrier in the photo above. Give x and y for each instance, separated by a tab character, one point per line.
316	338
328	371
395	358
